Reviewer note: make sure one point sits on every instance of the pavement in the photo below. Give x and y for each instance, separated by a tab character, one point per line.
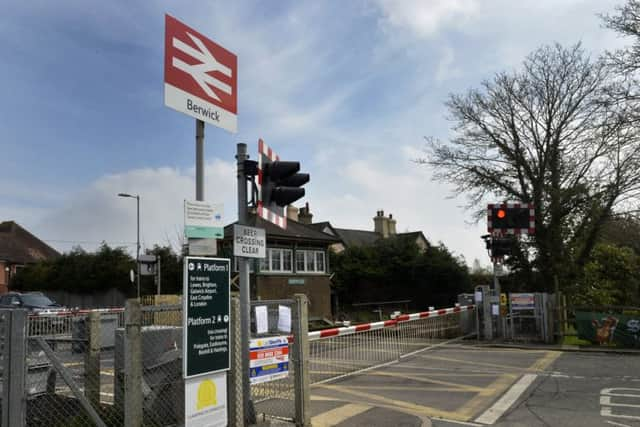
467	384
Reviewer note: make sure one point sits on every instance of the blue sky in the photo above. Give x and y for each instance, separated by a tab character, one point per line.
347	88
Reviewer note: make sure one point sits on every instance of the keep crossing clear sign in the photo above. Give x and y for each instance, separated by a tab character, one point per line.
206	316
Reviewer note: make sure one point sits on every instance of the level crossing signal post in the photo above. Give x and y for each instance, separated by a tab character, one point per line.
506	222
278	185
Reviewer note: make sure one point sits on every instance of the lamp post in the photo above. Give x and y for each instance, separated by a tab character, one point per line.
137	197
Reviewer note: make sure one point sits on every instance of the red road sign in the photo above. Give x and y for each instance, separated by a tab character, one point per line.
200	76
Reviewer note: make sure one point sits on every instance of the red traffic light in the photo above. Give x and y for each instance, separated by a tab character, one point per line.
501	213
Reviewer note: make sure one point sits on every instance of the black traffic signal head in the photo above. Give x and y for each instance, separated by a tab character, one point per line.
281	183
502	246
503	218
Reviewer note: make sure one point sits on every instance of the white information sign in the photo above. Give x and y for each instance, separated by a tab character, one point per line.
262	319
284	318
249	242
205	401
203	219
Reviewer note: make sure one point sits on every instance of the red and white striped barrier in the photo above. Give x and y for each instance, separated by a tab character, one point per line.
68	312
349	330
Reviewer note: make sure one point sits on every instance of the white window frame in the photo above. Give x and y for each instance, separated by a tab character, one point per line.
283	253
311	253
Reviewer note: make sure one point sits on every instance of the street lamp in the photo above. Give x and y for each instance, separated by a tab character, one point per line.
137	197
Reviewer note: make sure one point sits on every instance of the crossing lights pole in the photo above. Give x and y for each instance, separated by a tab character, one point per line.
245	307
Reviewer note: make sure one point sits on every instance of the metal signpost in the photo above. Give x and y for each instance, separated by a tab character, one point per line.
200	80
245	305
206	338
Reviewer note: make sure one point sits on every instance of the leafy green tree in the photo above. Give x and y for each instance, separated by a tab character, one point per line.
396	269
611	277
170	270
80	271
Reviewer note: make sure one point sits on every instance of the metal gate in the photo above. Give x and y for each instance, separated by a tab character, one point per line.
529	317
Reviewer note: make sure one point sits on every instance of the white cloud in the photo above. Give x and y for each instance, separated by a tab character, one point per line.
97	214
426	18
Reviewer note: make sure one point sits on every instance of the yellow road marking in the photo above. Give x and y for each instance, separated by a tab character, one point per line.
338	415
395	404
455	389
463	387
71	364
465	412
548	359
501	384
469	409
470	362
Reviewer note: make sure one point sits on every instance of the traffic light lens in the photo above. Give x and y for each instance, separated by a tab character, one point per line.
501	213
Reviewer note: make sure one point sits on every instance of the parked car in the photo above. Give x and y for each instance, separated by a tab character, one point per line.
35	302
44	312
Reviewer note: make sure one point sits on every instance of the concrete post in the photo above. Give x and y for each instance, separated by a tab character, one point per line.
92	360
14	399
132	364
301	361
235	395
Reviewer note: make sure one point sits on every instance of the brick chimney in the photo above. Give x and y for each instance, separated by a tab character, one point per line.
381	224
392	225
304	215
292	212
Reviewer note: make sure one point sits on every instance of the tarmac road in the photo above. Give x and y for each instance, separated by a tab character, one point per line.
476	385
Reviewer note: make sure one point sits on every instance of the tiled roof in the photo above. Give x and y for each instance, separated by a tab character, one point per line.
19	246
295	231
357	237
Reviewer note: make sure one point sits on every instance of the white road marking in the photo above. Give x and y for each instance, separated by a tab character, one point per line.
613	423
492	414
607	405
462	423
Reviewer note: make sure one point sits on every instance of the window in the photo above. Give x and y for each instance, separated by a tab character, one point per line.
308	261
278	260
300	266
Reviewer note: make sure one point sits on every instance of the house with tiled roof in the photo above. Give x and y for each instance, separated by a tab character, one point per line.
383	227
297	262
18	247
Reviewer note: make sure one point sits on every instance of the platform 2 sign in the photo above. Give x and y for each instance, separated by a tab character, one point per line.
206	316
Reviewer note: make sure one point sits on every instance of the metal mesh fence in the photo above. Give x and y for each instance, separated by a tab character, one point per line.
162	383
69	370
75	370
271	371
75	365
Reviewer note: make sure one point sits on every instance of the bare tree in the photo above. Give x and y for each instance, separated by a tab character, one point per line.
549	135
626	21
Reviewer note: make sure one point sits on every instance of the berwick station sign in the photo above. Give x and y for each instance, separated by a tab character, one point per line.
200	76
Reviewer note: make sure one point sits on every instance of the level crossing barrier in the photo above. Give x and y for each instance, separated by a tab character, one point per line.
335	353
339	352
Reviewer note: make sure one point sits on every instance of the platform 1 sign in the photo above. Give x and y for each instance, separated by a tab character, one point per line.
206	316
268	359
